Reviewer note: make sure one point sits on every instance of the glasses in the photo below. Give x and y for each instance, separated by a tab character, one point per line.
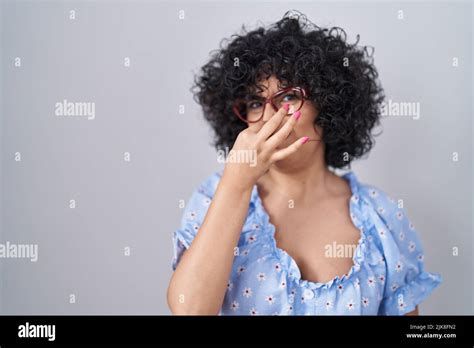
251	110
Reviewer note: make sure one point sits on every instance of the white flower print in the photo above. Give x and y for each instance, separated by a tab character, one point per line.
234	306
401	236
394	286
247	292
381	210
340	287
261	277
411	247
240	270
373	193
357	283
283	284
230	286
329	305
192	215
245	252
255	226
252	238
350	305
371	281
355	198
399	266
253	311
206	201
399	215
196	227
382	233
277	267
270	299
401	305
411	226
289	308
421	257
381	278
365	301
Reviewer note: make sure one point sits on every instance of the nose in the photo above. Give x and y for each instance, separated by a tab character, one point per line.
268	112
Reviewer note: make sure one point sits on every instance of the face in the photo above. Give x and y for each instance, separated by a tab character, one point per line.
304	126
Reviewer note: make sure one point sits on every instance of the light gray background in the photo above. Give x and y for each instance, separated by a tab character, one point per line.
119	204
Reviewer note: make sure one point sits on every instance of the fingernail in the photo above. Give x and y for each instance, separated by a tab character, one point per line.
286	106
297	115
304	140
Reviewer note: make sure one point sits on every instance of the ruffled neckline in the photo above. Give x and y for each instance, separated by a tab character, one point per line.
289	264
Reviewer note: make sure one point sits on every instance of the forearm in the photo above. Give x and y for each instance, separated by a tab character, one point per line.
199	282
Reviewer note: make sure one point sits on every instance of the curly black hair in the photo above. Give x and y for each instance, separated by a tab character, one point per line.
340	78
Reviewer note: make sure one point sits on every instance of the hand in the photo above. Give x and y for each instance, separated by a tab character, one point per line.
261	147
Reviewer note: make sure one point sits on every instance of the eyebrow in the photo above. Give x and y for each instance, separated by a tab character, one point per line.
253	96
280	86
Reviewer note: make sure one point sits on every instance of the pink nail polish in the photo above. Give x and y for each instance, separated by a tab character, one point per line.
286	106
304	140
297	115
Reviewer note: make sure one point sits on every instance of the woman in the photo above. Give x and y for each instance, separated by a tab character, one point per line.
284	234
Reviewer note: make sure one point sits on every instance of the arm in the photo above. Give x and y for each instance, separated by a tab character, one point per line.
199	282
198	285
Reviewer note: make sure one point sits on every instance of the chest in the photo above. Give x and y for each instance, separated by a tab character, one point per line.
320	237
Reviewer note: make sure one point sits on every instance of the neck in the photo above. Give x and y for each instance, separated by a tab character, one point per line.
307	179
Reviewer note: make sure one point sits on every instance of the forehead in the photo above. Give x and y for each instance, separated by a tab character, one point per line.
268	86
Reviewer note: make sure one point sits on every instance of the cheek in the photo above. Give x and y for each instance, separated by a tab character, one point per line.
308	115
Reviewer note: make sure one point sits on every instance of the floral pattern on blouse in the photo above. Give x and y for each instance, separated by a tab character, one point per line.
388	276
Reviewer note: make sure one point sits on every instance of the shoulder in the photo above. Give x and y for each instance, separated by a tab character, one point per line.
205	191
389	207
386	213
377	197
208	186
200	199
393	229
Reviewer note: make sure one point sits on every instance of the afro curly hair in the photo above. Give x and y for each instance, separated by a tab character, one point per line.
340	78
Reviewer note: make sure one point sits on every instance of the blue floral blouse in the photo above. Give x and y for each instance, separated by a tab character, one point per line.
387	276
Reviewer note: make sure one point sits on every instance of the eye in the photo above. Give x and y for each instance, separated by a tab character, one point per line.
254	104
289	97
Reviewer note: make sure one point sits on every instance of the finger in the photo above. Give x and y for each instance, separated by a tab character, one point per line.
283	133
269	127
283	153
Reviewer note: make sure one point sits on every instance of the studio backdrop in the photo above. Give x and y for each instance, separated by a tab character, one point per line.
102	142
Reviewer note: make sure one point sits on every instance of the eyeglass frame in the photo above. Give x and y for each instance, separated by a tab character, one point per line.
270	100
